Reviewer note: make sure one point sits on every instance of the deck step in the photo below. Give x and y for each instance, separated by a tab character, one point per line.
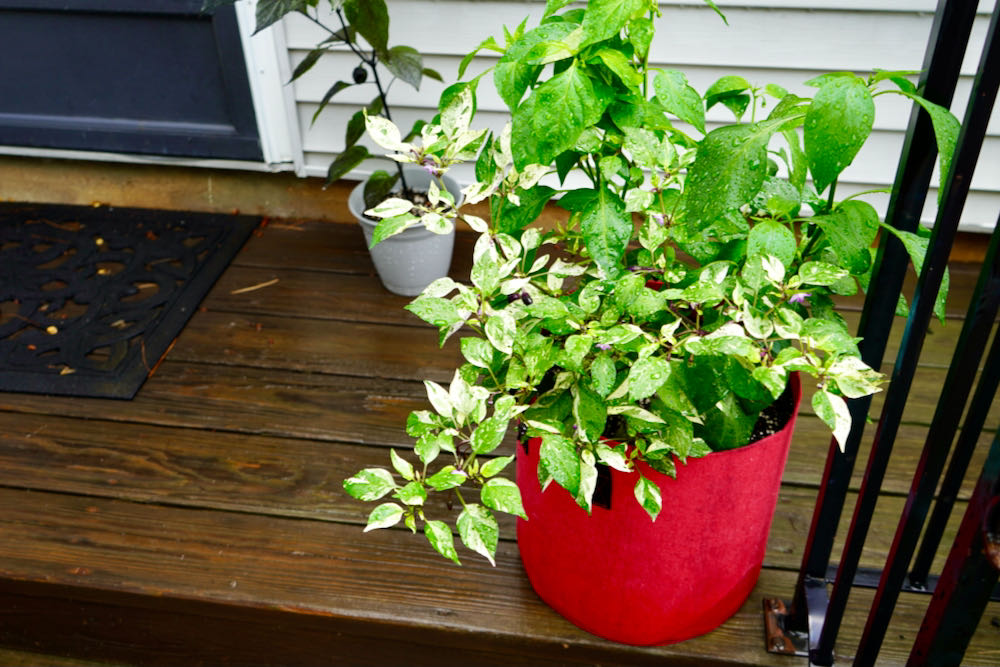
204	522
152	584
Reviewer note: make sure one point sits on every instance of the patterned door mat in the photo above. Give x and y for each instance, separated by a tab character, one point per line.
91	298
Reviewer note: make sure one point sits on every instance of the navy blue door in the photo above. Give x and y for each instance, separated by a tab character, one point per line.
126	76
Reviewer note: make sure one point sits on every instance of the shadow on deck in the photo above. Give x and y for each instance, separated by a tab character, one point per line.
204	522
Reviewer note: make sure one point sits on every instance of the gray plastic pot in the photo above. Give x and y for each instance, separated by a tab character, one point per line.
410	261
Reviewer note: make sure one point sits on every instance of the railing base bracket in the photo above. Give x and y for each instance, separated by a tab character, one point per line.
778	638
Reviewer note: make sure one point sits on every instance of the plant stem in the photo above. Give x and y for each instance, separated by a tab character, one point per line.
829	201
371	62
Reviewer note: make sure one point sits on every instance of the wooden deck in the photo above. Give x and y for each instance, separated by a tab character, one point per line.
204	522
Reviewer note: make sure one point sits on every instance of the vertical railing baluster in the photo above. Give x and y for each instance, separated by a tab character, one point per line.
956	190
942	64
935	263
969	575
982	312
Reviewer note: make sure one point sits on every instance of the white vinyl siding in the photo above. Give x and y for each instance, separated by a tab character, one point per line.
767	41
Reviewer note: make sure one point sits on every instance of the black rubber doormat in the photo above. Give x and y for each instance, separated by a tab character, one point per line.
92	297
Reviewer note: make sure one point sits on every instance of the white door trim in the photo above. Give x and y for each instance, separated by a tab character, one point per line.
266	56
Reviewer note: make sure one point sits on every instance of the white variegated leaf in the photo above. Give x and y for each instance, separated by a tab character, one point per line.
385	133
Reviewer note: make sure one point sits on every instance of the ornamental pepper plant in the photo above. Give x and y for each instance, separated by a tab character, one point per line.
698	267
362	27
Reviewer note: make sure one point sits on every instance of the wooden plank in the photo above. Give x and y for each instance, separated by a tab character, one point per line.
273	401
306	294
412	353
282	477
321	246
323	571
254	401
317	346
293	292
13	658
384	350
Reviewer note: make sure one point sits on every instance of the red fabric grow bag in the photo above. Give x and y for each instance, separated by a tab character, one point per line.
623	577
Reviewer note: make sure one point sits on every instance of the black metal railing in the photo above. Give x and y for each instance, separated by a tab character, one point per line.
812	622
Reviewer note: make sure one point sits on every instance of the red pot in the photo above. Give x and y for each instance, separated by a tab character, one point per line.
623	577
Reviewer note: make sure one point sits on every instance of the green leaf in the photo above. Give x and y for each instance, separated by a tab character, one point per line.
307	64
640	34
854	377
512	75
495	466
511	219
428	446
772	238
799	166
553	6
679	98
916	247
485	272
606	18
575	349
379	184
500	330
727	425
558	455
479	531
390	208
269	13
899	77
402	466
405	62
821	273
646	377
439	398
589	411
370	484
678	432
355	130
554	115
729	169
603	374
830	336
371	19
648	495
439	535
724	88
384	516
837	125
477	352
718	11
346	161
413	493
440	312
616	61
489	434
946	130
832	409
606	229
389	227
503	495
588	480
616	457
488	43
447	478
421	422
851	229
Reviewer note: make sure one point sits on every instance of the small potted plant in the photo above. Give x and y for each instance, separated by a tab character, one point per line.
648	351
416	256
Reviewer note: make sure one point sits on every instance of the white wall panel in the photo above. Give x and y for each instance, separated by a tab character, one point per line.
767	41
